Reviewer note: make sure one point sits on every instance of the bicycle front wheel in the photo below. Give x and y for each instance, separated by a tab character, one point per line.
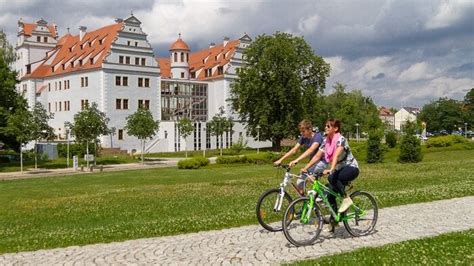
362	215
271	208
298	230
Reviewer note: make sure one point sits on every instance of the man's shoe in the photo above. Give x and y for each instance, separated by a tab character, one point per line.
346	203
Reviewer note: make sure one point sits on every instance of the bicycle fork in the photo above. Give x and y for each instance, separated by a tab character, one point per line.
279	200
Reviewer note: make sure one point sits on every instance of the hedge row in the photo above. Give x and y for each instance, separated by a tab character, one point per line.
193	163
445	141
257	158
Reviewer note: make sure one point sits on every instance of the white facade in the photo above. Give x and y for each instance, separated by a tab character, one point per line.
128	76
402	116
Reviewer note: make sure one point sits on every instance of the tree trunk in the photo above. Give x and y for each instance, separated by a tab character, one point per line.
276	144
143	150
87	154
36	155
221	144
21	159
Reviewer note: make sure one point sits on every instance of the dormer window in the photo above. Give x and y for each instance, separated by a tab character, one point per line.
91	61
80	62
101	41
64	66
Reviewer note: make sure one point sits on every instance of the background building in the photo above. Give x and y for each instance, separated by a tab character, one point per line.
405	114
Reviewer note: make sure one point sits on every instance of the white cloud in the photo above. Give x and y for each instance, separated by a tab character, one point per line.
373	67
416	72
449	12
308	24
337	65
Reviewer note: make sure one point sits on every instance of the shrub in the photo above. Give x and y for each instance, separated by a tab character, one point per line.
256	158
202	161
410	150
192	163
239	146
374	148
445	141
391	139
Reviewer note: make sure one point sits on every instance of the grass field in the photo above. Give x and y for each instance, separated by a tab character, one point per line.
447	249
114	206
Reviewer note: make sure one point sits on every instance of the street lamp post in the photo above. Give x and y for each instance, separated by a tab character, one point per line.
465	129
205	142
258	138
357	131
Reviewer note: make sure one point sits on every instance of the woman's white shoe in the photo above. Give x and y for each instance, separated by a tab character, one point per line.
346	203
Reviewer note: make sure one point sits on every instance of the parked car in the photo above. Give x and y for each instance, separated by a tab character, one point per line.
424	138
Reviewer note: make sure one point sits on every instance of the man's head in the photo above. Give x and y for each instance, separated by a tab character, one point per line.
306	129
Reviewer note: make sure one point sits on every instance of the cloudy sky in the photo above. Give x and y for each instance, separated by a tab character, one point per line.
401	53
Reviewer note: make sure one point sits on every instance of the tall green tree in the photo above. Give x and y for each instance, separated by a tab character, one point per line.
218	125
88	125
10	101
185	128
20	125
142	125
442	114
410	145
40	127
279	86
468	108
6	49
352	108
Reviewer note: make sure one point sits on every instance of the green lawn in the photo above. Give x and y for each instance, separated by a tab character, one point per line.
447	249
114	206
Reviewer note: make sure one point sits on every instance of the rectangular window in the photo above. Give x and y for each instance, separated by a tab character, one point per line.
140	104
147	104
38	38
60	106
140	82
86	79
127	60
125	104
137	61
118	81
121	59
118	104
60	85
182	75
125	81
49	86
193	75
45	39
136	44
147	82
120	134
84	104
143	61
55	106
128	43
49	107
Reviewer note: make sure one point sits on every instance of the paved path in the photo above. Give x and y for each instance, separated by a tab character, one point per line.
252	245
156	163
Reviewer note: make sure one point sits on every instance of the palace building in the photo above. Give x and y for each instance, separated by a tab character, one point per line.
115	67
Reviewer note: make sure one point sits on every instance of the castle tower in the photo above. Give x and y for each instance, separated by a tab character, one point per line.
179	59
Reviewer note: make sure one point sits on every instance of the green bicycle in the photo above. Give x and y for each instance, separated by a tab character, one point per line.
303	222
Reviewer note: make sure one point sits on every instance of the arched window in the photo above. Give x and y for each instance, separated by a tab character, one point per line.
182	57
176	57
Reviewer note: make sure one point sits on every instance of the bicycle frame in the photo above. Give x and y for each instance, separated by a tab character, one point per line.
322	190
286	180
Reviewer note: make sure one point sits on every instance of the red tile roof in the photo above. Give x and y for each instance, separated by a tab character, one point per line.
384	111
179	44
29	27
218	55
71	54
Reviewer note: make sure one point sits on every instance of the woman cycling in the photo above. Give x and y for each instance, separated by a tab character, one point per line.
344	167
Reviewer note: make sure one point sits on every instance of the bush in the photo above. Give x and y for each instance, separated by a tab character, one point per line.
239	146
410	150
193	163
391	139
445	141
374	148
256	158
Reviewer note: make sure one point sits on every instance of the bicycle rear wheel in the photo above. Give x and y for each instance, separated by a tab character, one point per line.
362	214
269	217
301	233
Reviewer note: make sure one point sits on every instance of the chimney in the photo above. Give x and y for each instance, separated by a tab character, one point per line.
82	32
226	40
212	45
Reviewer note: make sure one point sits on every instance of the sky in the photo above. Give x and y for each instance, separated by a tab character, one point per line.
399	52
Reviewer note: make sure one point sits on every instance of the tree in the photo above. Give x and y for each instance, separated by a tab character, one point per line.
410	146
142	125
20	125
88	125
218	125
468	108
278	86
40	128
443	113
10	102
375	149
6	49
185	128
391	139
352	108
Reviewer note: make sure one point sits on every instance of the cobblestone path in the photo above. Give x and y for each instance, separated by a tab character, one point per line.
253	245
